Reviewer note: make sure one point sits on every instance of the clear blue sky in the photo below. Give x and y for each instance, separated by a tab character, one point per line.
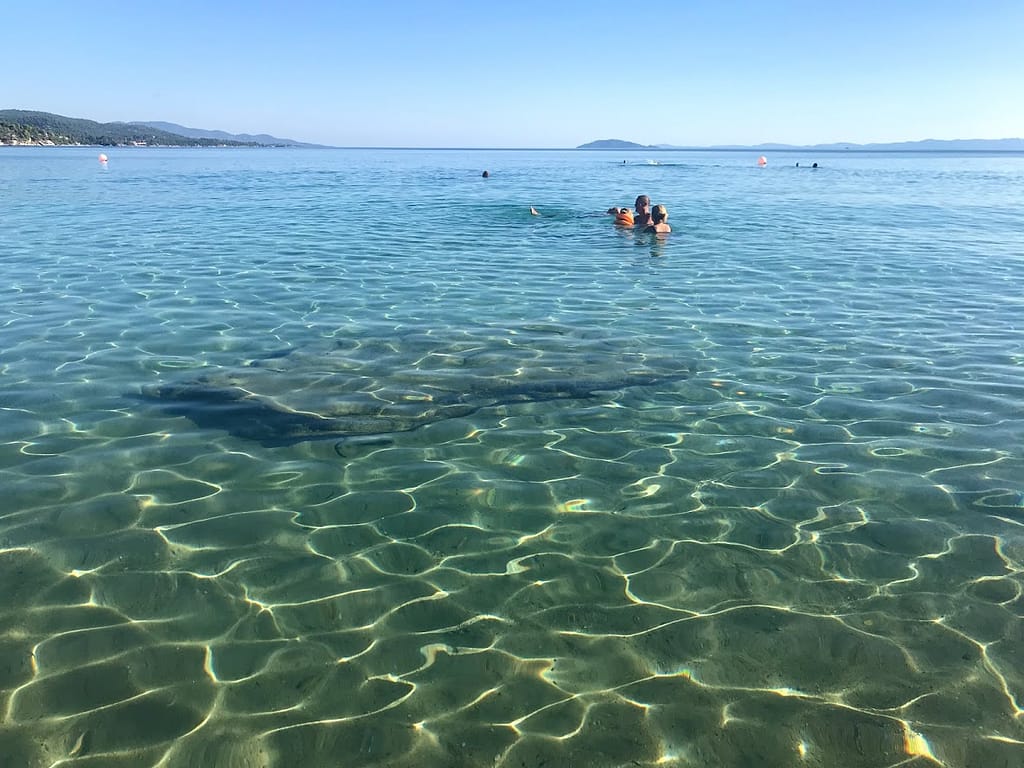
519	73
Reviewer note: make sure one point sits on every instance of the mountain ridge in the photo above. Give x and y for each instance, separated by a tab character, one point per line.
32	127
21	126
203	133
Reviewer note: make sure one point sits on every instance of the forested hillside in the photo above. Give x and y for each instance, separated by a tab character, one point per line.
19	126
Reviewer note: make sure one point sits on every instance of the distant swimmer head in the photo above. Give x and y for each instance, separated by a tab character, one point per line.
486	174
642	201
103	158
762	161
659	213
814	165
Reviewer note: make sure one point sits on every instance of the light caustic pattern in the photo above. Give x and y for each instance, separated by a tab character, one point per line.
585	596
808	552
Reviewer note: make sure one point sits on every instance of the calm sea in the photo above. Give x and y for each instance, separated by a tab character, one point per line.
343	458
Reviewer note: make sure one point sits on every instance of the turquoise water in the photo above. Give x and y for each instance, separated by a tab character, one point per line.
343	458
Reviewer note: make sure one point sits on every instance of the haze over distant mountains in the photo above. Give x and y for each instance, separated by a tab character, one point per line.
200	133
926	145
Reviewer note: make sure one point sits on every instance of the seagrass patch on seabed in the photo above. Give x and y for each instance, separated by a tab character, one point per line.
371	387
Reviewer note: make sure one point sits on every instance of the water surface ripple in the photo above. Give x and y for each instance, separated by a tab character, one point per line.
344	458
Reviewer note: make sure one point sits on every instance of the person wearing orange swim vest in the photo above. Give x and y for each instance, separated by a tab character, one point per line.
623	217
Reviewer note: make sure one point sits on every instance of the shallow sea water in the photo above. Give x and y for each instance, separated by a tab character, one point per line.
342	458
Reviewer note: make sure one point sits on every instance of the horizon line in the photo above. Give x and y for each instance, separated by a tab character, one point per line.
832	147
853	148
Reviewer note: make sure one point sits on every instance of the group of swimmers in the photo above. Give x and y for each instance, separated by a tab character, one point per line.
646	218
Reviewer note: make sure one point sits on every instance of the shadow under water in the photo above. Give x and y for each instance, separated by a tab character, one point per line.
308	394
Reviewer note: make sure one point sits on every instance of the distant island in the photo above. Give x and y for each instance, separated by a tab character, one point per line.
23	127
926	145
614	144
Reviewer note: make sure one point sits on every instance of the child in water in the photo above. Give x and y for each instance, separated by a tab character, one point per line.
659	220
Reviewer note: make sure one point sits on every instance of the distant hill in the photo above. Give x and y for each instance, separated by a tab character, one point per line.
935	145
19	126
613	144
927	145
200	133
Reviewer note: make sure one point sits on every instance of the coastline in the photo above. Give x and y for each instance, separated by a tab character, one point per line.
48	143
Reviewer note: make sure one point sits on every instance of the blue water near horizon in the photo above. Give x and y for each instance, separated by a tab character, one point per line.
342	457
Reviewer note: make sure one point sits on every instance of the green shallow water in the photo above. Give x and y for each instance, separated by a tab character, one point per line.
343	458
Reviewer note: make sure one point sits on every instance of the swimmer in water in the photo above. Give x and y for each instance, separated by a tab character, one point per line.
643	211
659	220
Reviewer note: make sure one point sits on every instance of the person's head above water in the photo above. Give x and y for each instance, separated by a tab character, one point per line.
659	214
643	211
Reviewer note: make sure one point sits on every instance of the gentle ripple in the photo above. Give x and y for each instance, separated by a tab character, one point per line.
807	550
